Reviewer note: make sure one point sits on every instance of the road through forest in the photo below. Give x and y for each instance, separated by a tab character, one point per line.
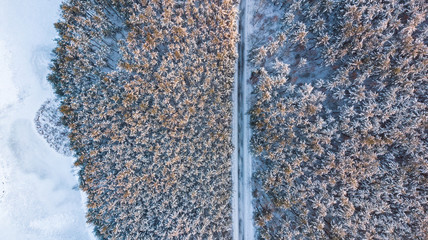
244	168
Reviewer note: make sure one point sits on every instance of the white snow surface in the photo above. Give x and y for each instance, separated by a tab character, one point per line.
248	169
242	216
39	197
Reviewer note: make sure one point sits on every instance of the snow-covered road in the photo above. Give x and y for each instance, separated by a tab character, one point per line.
39	198
242	202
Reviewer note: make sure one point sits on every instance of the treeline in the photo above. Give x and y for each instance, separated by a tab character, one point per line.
340	119
49	125
146	89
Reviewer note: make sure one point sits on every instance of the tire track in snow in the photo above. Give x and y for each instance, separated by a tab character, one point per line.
244	168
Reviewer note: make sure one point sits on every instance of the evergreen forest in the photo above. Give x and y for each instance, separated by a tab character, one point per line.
338	116
146	91
339	119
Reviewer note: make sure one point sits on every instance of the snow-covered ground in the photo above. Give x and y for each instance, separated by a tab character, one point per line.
243	224
39	198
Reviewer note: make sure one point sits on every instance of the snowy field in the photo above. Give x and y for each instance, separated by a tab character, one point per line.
39	197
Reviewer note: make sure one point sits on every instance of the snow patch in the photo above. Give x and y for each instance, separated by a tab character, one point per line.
40	60
38	194
8	90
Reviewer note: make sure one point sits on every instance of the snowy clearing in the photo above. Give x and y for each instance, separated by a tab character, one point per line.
39	198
